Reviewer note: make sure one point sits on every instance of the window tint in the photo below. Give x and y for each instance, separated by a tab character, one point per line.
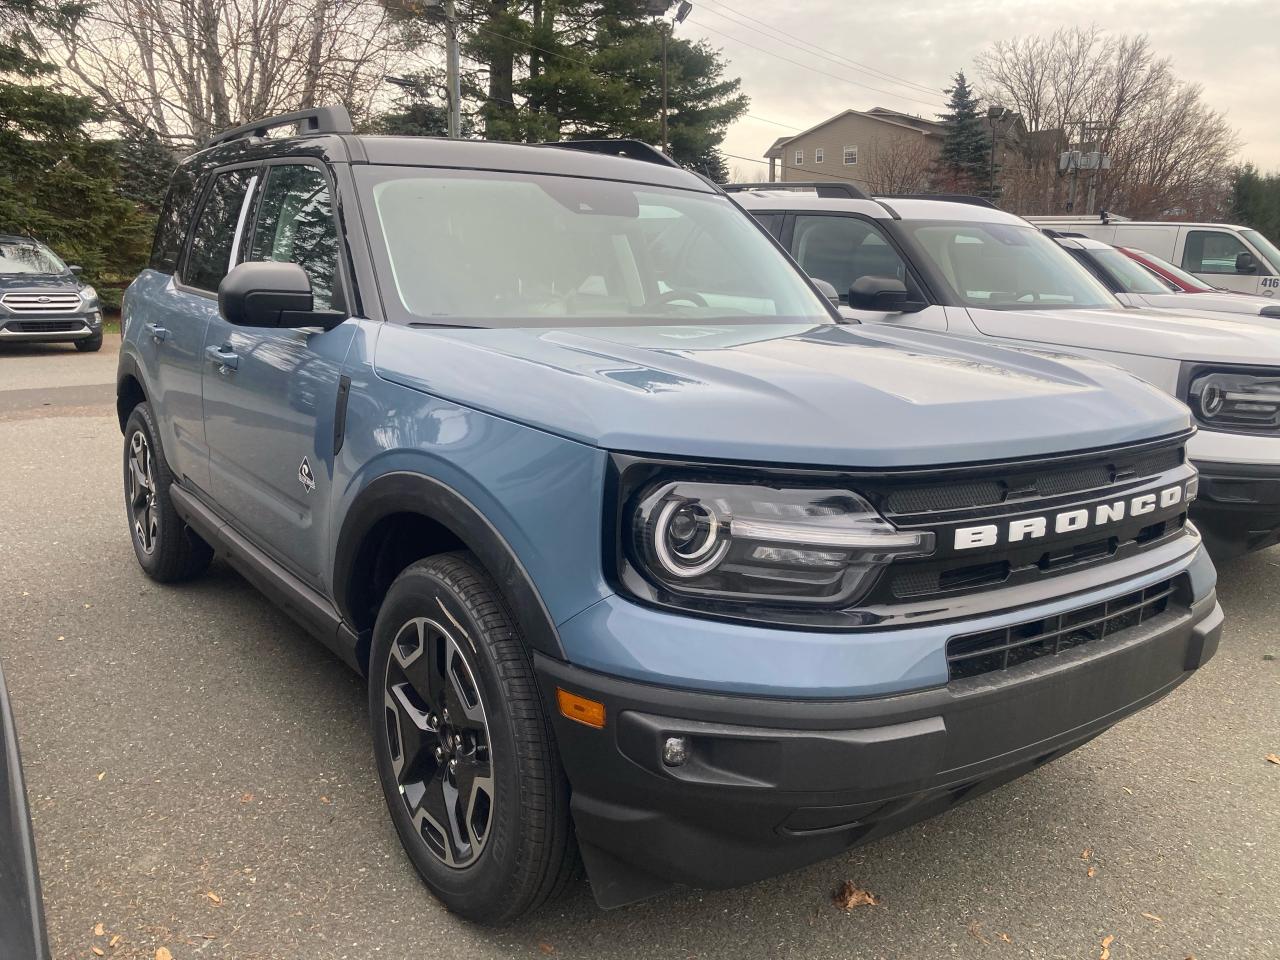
295	225
770	221
213	236
1212	251
841	250
175	218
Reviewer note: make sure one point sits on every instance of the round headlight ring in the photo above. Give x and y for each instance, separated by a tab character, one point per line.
1211	398
689	539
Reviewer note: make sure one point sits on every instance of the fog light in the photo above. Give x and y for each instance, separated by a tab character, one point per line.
675	751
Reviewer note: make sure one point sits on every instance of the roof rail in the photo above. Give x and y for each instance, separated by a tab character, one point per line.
631	149
827	189
946	197
316	120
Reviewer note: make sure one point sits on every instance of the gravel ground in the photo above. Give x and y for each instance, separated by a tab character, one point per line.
201	781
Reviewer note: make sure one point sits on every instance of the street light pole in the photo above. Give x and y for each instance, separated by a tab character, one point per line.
454	81
666	35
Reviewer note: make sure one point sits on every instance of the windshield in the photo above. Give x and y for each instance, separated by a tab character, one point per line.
1006	266
509	249
1132	276
1264	247
23	256
1188	280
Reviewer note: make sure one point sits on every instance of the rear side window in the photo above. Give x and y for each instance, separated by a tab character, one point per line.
175	217
295	225
213	236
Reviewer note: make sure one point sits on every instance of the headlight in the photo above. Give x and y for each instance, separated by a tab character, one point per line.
1240	402
751	544
89	296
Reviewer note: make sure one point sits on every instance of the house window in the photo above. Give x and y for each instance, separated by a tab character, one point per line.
850	156
817	154
799	157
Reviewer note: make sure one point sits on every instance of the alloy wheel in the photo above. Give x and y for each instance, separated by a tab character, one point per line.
142	493
439	741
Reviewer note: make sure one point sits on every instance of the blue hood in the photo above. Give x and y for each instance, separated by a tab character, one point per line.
822	395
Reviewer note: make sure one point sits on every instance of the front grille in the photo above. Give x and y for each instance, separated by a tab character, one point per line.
43	326
973	654
41	302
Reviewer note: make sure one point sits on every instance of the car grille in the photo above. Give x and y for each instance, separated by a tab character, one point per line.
41	302
44	326
973	654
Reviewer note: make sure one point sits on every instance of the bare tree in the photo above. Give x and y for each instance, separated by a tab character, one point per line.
187	68
1080	88
901	164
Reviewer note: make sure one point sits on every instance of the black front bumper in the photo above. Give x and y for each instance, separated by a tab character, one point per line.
22	935
1238	509
772	785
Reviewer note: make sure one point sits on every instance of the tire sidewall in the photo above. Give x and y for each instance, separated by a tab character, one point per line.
141	420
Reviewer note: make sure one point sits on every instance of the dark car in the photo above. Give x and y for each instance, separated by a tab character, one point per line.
42	299
22	934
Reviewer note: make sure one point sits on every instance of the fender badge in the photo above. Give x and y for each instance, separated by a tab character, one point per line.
305	476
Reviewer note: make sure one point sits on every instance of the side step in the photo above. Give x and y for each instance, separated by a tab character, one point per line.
307	606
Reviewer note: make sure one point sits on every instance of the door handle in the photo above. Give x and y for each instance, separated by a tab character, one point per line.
223	356
156	332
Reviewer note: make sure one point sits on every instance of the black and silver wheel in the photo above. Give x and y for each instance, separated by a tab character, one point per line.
465	754
166	548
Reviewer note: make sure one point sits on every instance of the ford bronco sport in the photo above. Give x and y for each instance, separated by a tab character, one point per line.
645	554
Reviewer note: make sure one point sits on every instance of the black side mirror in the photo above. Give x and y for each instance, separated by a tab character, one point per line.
268	294
883	295
77	270
1246	263
826	289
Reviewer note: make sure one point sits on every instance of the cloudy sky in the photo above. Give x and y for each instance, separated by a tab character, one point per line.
1230	47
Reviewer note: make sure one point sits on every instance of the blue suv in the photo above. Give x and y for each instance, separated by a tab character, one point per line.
651	561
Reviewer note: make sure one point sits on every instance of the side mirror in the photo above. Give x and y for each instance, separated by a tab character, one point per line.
883	295
269	294
1246	263
826	289
77	270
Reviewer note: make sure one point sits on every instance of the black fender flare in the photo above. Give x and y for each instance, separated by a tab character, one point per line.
127	367
407	492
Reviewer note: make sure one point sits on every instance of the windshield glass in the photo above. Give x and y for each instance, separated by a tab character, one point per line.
1132	276
1264	247
1186	279
509	249
1006	266
23	256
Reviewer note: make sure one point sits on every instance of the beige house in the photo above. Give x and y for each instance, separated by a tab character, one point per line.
881	150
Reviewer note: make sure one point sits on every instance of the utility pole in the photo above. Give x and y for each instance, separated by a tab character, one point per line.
659	9
454	81
666	36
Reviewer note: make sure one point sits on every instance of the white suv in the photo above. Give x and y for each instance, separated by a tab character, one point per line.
960	266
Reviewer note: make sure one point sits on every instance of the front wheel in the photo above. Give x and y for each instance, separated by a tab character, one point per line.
466	756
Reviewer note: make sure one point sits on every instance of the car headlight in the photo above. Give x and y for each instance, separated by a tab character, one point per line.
89	296
1236	401
754	544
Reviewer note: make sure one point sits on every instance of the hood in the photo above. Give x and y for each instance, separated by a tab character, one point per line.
1145	333
1195	304
39	281
823	395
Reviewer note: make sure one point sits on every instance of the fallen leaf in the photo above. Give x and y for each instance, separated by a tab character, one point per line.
163	953
101	775
850	896
60	639
99	930
547	948
1273	758
1005	937
975	931
1152	916
246	798
1106	947
98	951
114	941
1086	853
325	800
1093	871
217	900
1127	790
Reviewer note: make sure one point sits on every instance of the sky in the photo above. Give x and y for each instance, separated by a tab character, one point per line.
911	47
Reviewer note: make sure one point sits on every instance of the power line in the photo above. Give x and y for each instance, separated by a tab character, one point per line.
801	44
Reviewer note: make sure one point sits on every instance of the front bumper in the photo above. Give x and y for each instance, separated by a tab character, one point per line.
49	329
773	784
1238	509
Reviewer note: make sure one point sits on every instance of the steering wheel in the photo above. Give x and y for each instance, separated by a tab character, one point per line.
671	296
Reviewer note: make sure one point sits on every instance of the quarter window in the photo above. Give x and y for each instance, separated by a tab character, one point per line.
1212	251
295	225
213	236
817	154
850	156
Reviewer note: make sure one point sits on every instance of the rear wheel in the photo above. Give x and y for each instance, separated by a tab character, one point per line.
465	754
167	549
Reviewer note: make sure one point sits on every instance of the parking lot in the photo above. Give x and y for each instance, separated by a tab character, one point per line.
201	781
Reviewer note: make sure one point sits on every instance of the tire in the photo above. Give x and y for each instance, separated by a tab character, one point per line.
167	549
92	345
505	853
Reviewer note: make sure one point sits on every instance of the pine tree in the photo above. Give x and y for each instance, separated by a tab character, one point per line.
964	162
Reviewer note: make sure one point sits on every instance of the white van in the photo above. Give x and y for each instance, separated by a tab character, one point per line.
1221	254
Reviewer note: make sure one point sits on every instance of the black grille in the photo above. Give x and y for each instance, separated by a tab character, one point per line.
44	326
974	654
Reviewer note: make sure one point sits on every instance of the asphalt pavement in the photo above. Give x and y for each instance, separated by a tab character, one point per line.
201	780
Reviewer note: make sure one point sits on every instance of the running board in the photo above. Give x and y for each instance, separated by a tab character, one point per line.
307	606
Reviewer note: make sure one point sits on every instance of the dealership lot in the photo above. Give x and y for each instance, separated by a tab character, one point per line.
201	778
